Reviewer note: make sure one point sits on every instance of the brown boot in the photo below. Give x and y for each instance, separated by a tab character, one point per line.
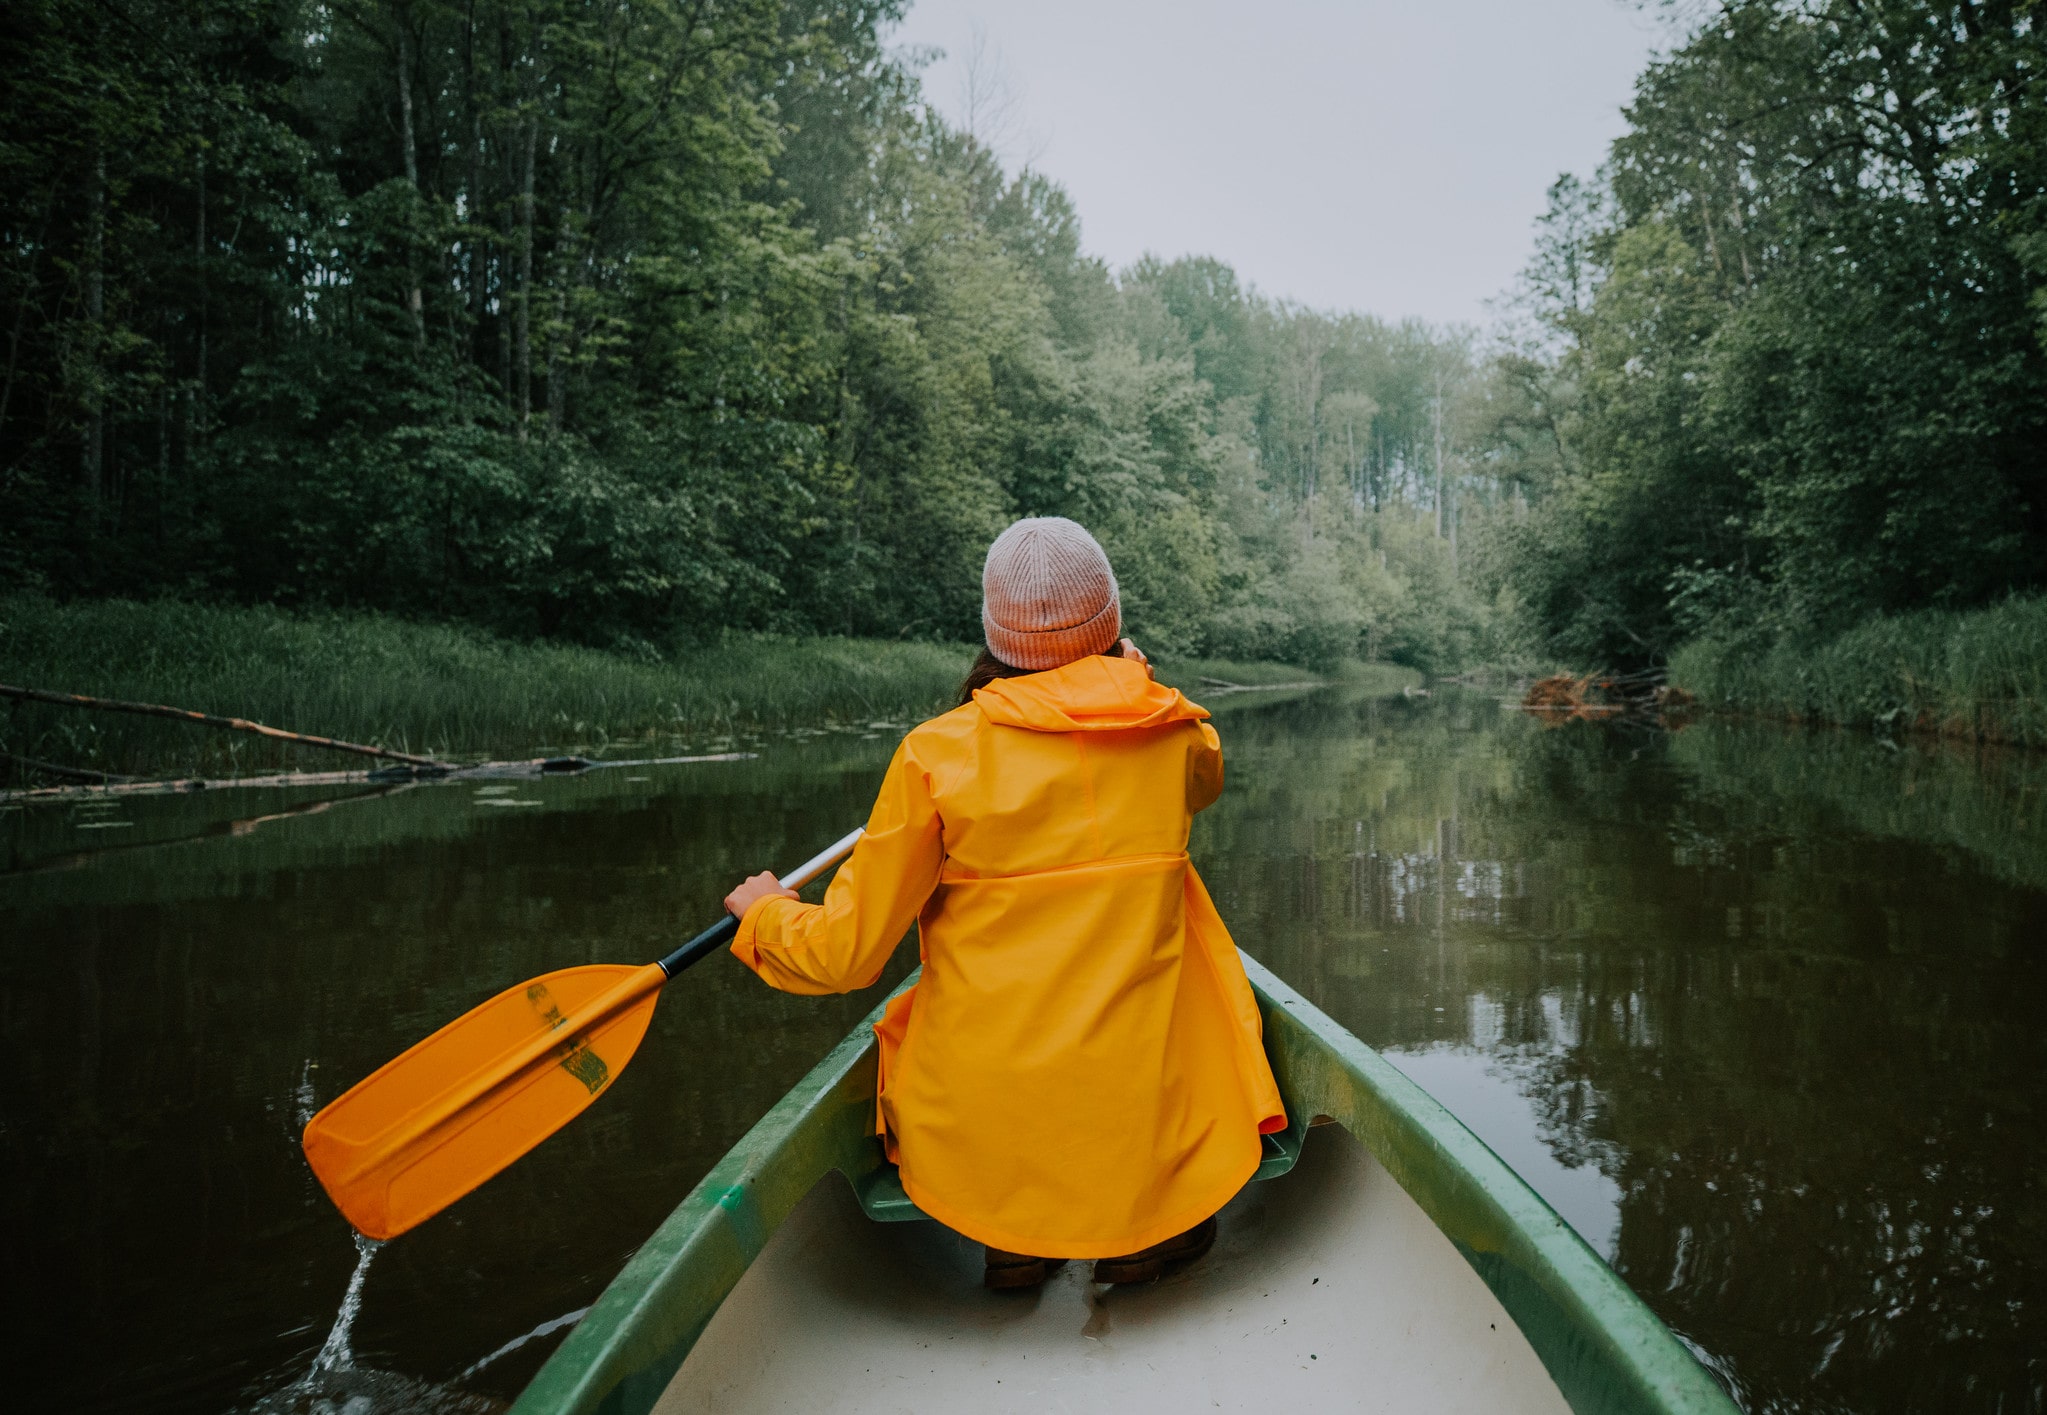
1148	1264
1016	1272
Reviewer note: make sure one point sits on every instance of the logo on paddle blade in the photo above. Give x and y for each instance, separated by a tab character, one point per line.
575	1055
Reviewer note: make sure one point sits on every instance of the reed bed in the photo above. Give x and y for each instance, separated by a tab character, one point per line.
1977	674
434	689
441	690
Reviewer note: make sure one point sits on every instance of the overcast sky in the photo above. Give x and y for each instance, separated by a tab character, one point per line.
1350	154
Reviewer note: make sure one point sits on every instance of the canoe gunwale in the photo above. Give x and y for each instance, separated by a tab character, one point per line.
1607	1352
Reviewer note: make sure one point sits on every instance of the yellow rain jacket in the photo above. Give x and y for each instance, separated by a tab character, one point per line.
1079	1072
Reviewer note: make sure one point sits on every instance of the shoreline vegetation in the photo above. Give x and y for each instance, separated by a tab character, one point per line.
629	329
456	692
1977	675
269	355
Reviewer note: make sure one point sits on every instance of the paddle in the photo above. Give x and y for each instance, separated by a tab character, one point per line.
432	1124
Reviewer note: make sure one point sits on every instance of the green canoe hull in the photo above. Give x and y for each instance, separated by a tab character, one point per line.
1605	1350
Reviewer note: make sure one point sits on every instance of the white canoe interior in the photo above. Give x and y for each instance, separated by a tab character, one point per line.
1328	1290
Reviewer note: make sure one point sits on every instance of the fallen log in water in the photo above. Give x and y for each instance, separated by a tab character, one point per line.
1223	685
432	771
207	719
64	773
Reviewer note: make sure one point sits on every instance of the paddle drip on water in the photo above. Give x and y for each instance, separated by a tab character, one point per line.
303	1095
335	1354
455	1109
335	1385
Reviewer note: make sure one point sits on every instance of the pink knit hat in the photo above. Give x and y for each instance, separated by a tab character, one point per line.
1048	596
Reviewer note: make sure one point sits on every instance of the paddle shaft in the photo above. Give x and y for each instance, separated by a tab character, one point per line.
721	933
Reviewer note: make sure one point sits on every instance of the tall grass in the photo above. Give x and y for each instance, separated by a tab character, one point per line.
1978	674
443	691
422	688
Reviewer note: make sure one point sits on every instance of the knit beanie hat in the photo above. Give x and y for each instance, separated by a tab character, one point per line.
1048	596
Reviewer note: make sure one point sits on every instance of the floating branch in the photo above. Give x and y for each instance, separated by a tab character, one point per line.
1224	685
382	776
232	724
62	773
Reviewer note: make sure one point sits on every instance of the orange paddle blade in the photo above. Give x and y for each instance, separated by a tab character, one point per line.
429	1126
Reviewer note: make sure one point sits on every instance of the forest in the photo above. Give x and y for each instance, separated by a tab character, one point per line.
1779	364
632	325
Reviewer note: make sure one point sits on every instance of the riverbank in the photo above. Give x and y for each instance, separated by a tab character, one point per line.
1978	675
433	689
440	690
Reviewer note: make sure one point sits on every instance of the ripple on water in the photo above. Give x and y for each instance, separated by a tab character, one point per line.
337	1386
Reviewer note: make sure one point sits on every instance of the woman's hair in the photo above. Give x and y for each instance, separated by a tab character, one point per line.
987	668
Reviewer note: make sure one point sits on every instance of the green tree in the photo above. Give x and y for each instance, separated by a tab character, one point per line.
1800	373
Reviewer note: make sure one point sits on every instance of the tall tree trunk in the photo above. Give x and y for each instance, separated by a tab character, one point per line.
473	223
92	456
560	339
474	229
1442	520
506	165
163	460
413	302
1353	469
21	309
197	427
1450	514
522	327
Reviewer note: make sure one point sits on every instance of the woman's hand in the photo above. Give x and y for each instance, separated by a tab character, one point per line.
761	886
1135	654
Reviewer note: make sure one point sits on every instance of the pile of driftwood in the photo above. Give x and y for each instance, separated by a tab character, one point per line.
405	766
1641	694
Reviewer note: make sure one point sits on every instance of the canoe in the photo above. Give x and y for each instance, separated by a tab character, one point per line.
1383	1260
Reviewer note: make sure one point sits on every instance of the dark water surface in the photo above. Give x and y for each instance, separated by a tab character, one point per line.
1763	1014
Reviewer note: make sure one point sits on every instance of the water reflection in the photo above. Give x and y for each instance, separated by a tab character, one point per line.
1781	991
1495	1100
171	1010
1758	1012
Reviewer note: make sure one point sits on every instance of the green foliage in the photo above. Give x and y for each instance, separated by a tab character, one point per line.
1979	674
628	324
1785	367
444	690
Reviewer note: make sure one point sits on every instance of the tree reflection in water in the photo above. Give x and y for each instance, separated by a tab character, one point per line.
1782	989
1759	1010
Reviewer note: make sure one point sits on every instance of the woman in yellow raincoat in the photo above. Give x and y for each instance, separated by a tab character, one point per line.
1078	1073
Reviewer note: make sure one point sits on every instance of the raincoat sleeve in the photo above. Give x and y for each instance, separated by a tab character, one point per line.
1204	770
844	943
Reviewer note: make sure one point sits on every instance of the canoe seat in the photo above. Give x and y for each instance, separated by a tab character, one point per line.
880	1189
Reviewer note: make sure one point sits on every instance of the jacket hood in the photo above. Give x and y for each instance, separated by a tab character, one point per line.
1092	694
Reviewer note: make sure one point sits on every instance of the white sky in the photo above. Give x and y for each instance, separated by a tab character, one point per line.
1370	155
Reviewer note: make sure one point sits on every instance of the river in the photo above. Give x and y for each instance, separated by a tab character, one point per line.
1759	1011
